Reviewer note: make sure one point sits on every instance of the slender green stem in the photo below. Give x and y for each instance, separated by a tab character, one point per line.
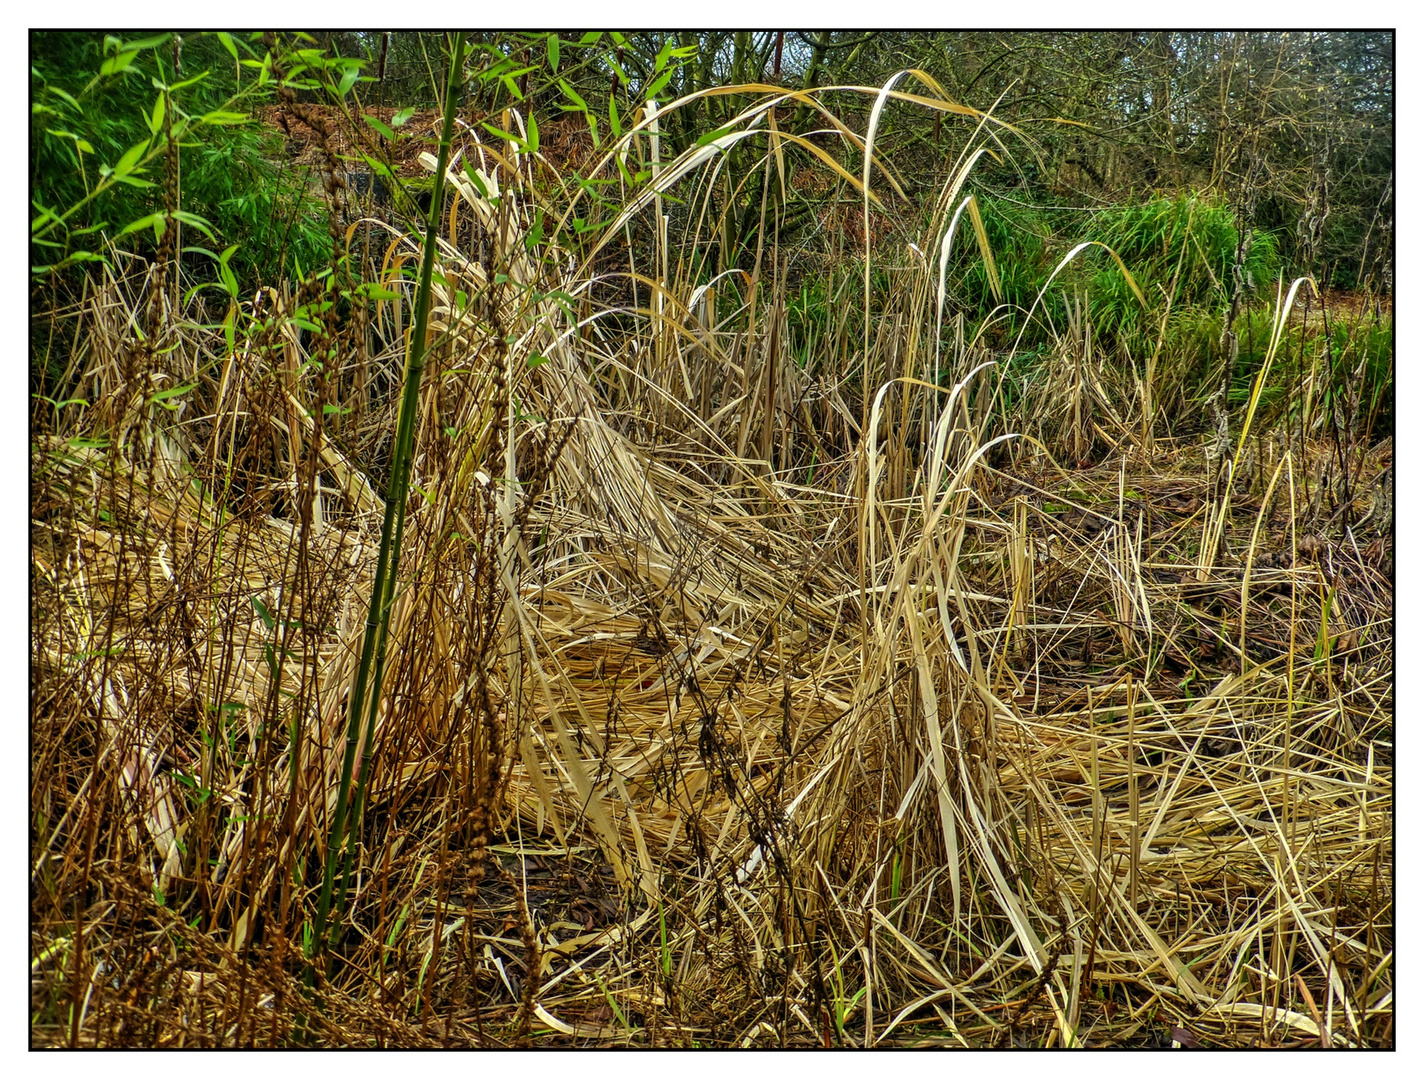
366	693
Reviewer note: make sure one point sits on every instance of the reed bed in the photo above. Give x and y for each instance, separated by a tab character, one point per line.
734	695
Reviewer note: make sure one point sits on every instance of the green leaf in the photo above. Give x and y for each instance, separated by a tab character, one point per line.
130	159
64	96
223	118
199	223
264	615
400	118
155	121
554	52
117	65
713	136
377	166
590	38
82	144
227	43
62	404
474	177
146	43
229	279
172	392
659	83
614	121
156	221
381	128
664	55
348	80
500	133
572	94
200	77
533	135
73	257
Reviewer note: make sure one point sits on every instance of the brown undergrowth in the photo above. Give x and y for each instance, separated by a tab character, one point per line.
724	705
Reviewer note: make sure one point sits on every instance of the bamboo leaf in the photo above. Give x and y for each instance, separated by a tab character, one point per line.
130	159
573	95
117	65
199	223
155	121
380	127
348	80
157	221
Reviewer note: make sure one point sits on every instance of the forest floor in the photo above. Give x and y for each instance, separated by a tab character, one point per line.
1208	703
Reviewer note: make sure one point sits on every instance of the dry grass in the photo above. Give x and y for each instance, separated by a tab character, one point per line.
753	703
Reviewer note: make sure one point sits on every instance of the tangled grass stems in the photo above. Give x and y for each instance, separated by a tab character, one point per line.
734	696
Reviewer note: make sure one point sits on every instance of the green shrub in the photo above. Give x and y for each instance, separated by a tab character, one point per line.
1191	240
95	98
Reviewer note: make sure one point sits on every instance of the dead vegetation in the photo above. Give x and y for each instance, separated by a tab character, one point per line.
732	698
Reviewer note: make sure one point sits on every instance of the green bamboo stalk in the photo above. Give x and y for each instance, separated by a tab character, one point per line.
366	693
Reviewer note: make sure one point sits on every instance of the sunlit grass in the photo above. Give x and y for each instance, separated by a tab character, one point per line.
767	664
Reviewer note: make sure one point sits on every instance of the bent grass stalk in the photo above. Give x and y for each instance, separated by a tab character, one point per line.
1277	331
1005	794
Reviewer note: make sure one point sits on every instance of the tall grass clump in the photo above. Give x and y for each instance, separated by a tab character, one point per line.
1189	251
766	662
